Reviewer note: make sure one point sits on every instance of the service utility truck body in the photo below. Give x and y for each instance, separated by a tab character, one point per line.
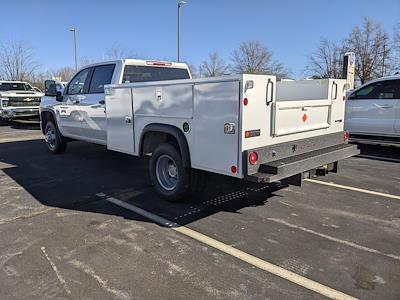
18	99
245	126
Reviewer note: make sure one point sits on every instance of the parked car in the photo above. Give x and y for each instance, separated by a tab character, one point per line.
18	99
373	111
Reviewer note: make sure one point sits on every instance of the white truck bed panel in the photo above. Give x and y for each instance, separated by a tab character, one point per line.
216	104
173	101
305	89
299	116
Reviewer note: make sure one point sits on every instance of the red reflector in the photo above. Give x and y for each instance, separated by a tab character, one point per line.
233	169
253	157
245	101
346	136
158	63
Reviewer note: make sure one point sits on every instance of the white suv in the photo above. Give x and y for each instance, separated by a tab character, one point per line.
373	110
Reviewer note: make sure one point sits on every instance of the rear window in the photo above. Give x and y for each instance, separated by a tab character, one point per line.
145	73
102	75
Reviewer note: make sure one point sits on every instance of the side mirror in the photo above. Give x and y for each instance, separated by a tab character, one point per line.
50	88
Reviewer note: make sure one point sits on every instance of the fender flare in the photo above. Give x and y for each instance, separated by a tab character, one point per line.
176	133
46	110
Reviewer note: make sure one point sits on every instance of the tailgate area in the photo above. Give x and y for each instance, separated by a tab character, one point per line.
280	161
287	167
290	117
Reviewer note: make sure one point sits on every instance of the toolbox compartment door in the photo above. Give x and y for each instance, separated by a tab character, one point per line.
289	117
119	114
216	127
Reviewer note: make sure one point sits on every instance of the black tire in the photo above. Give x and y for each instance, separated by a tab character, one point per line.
54	140
169	177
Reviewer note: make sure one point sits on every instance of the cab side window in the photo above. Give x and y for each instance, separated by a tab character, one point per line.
388	89
102	75
78	84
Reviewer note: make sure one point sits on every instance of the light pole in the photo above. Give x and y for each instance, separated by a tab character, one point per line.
76	58
180	4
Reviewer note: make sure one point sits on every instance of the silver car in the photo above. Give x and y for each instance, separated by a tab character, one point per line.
373	110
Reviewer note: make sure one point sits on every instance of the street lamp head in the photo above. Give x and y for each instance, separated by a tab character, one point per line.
181	3
72	29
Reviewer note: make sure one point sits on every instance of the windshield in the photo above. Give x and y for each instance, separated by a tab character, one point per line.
145	73
15	86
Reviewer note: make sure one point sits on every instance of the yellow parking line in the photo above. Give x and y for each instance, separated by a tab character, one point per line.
243	256
354	189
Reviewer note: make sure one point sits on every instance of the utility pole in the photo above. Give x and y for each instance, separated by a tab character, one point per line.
75	55
180	4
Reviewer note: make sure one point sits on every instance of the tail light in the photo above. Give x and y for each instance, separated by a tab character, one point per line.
253	157
345	136
245	101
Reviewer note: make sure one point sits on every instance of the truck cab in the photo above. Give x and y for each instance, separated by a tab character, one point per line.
80	111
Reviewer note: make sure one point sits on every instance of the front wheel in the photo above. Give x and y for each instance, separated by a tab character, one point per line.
169	177
53	139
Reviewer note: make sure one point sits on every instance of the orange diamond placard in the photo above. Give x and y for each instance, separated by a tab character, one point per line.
304	117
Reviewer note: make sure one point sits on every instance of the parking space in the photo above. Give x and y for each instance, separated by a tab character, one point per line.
62	237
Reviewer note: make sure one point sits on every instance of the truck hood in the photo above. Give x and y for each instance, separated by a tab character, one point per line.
22	94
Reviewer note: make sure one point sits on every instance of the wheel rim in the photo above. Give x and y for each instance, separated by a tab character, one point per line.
50	138
167	172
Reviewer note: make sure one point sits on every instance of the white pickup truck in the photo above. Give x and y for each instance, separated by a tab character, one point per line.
245	126
18	99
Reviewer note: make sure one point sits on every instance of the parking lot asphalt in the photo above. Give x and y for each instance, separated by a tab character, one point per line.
62	237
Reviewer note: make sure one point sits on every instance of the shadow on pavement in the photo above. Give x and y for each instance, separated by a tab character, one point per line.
379	152
24	124
72	180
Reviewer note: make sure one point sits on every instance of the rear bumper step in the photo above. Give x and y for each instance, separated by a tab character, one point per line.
287	167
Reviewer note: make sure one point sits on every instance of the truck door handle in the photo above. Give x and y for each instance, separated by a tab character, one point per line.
128	119
386	106
102	102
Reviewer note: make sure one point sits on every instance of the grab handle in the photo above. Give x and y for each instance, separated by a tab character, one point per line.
270	83
334	84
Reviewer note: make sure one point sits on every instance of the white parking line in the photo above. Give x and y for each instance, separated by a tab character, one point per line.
333	239
54	267
27	137
353	189
243	256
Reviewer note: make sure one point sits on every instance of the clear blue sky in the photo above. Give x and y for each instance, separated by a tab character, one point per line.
291	29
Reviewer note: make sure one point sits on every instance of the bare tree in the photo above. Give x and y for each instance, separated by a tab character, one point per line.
253	58
84	61
193	69
372	48
17	61
214	66
326	61
65	73
118	53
